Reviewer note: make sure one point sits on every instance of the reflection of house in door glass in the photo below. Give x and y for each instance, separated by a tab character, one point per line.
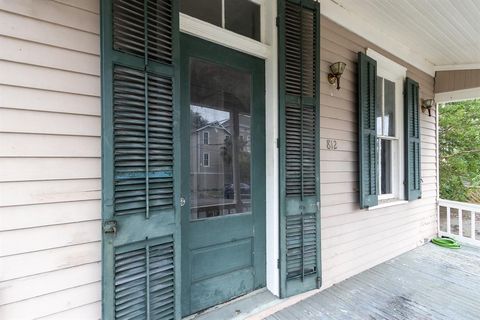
220	150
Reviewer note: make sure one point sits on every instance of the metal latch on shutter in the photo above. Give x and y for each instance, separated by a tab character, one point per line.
182	201
110	226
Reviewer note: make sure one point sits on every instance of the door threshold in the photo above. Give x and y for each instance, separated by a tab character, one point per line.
239	308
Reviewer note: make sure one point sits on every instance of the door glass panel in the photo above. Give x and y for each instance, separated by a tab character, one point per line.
206	10
220	99
243	17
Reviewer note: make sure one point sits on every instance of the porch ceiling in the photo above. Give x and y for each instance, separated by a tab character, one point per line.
444	32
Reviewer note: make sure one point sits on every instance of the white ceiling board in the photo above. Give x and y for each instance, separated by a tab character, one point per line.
443	32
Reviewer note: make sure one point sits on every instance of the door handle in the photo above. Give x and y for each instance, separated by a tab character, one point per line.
110	226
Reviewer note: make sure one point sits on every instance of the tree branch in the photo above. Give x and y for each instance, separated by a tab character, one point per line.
461	152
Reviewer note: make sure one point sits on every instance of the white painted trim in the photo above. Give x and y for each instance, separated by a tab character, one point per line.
453	67
271	151
223	14
386	63
390	70
459	205
386	196
350	21
459	95
388	204
472	208
227	38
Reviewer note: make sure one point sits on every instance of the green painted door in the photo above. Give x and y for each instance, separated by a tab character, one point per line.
223	174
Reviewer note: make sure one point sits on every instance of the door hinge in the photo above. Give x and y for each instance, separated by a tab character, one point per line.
277	21
278	263
110	226
278	142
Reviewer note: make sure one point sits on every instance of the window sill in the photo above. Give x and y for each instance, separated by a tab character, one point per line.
387	204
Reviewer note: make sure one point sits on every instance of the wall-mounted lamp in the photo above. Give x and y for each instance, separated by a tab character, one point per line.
336	72
427	105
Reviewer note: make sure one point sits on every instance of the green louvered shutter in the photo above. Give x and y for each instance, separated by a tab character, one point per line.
367	131
299	146
140	178
412	141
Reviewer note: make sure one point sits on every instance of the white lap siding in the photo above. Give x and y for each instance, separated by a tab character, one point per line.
50	152
354	240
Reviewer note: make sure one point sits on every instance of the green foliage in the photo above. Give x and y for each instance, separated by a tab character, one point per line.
459	142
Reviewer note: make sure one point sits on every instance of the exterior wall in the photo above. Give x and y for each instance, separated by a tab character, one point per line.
446	81
50	152
50	159
354	240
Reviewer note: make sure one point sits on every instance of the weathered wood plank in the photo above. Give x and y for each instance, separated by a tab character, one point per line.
429	282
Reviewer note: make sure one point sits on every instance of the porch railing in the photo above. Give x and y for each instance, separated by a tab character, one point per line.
460	221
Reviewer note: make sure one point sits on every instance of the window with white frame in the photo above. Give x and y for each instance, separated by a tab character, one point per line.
389	120
206	137
206	159
240	16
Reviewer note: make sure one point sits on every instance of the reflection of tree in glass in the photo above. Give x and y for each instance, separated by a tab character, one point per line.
243	157
197	120
226	150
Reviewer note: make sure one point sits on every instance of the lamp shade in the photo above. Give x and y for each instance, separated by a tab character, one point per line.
337	68
428	103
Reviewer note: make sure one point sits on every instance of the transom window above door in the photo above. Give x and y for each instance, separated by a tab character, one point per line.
240	16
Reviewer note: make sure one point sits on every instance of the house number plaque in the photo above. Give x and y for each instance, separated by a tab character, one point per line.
332	144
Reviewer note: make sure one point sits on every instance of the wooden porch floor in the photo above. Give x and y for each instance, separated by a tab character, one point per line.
429	282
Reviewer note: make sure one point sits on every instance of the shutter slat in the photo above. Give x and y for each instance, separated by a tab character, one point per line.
130	36
131	275
130	141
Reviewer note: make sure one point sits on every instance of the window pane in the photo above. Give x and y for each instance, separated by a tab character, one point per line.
205	137
220	105
206	161
206	10
378	110
385	155
389	109
243	17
